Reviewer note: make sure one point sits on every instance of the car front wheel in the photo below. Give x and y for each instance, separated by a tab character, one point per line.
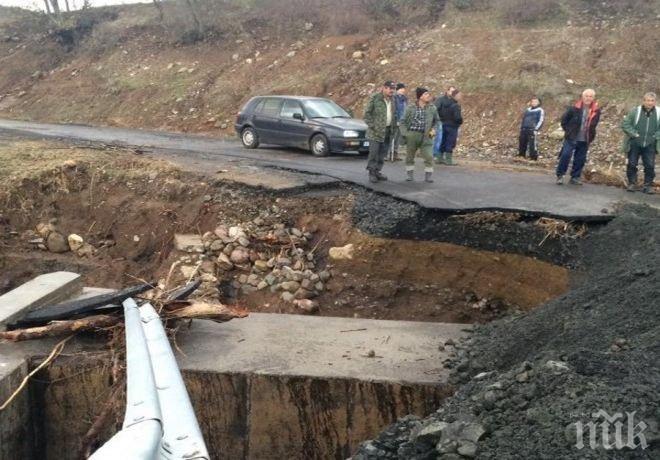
319	145
249	138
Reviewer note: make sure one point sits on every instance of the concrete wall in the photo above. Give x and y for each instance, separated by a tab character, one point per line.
242	416
15	433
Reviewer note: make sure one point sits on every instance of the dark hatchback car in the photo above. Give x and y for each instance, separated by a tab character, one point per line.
312	123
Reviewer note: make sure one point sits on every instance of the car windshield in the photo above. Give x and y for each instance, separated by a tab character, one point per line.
322	108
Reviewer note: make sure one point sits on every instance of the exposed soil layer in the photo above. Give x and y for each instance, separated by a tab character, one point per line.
529	378
128	209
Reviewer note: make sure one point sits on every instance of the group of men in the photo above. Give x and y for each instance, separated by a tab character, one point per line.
425	127
429	127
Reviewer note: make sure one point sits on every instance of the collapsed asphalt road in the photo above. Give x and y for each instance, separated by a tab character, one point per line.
456	189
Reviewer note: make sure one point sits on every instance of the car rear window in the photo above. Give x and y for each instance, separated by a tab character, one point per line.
270	107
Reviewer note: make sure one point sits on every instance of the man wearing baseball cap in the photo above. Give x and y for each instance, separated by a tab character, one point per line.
380	117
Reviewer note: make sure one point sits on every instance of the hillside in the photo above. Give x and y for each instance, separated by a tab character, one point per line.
125	66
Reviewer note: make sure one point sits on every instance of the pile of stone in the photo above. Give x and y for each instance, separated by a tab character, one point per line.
255	256
48	238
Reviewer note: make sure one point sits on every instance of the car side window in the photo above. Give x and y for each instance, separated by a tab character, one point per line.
259	106
289	108
271	107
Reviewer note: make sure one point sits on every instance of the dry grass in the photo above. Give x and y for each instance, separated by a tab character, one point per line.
35	167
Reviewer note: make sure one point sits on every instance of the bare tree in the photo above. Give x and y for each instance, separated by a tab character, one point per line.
159	7
193	13
48	12
55	4
66	3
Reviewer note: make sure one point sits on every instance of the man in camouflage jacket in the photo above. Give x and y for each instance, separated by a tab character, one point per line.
379	115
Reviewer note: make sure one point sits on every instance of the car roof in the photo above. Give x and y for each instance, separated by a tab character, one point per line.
298	98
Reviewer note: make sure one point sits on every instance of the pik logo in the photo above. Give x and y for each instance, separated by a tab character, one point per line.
611	432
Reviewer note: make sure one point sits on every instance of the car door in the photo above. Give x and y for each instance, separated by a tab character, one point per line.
295	132
266	120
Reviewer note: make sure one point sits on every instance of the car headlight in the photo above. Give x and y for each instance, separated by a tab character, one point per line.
351	134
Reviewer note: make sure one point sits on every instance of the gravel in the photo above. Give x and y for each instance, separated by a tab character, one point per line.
526	380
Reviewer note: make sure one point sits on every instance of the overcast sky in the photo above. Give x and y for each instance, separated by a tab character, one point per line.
39	4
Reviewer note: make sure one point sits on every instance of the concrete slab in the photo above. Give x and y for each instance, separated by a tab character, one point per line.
44	289
15	419
294	345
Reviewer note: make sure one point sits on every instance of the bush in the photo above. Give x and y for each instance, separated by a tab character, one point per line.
523	12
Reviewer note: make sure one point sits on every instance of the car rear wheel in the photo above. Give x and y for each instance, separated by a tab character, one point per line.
319	145
249	138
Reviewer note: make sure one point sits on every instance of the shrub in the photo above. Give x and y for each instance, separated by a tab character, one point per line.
523	12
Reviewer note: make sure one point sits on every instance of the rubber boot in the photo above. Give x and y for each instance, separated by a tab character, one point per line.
373	178
449	161
427	177
409	177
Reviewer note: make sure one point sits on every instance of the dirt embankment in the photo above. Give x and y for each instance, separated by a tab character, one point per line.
124	70
127	209
529	379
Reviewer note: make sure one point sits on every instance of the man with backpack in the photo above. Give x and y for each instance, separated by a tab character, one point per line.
642	139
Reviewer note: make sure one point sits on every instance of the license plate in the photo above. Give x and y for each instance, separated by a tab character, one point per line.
366	144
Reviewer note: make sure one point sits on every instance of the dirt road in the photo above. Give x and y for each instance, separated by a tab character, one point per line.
456	189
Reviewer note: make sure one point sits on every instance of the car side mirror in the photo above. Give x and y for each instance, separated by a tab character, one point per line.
299	116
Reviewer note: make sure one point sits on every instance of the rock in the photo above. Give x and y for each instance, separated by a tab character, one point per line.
253	280
358	55
303	294
240	256
243	241
308	26
467	448
557	366
429	434
188	243
384	62
55	242
86	250
522	377
224	263
291	286
188	271
472	432
291	54
236	232
44	229
262	285
261	265
306	284
340	48
217	246
324	275
270	279
483	375
75	242
208	278
557	134
306	305
341	253
287	296
221	232
319	286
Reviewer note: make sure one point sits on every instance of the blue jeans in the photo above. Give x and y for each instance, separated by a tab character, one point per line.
576	150
438	140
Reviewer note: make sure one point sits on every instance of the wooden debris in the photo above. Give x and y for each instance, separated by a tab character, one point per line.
61	327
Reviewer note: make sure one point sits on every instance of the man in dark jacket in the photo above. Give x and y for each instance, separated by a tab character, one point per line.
400	104
579	124
380	119
451	119
443	100
532	120
642	140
